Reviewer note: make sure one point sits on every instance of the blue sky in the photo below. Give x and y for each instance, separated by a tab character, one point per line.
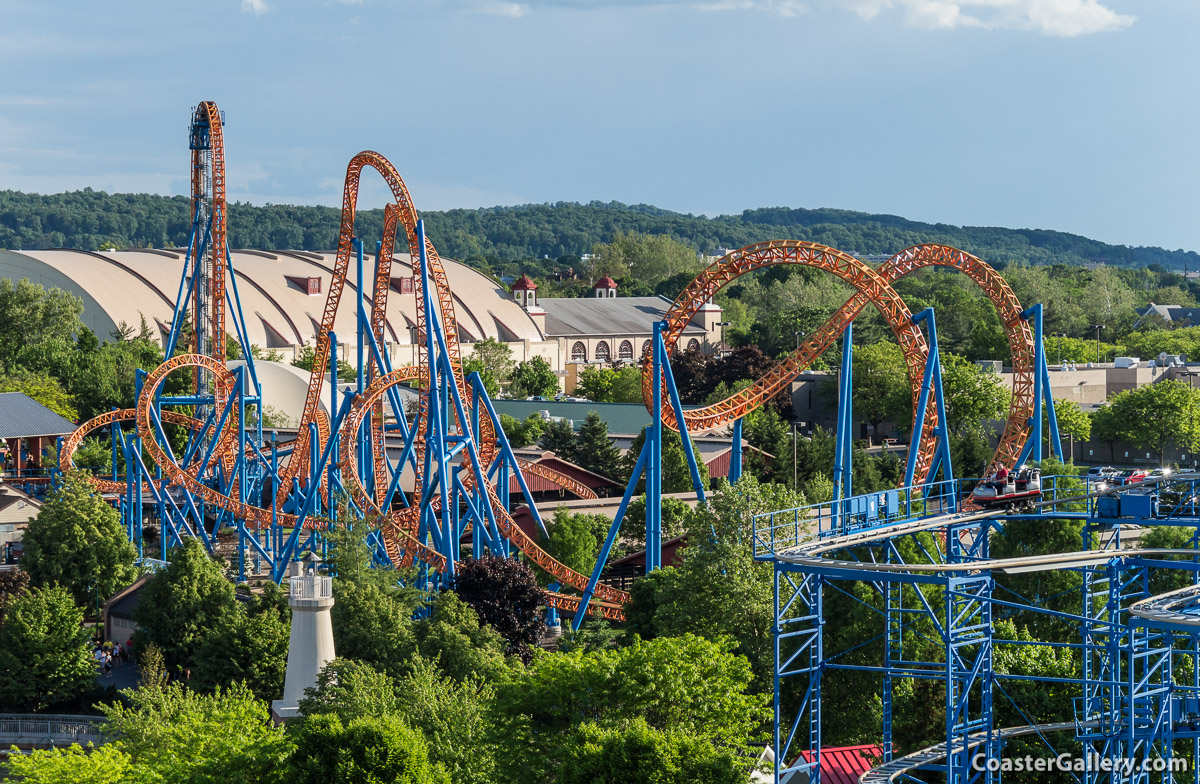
1077	115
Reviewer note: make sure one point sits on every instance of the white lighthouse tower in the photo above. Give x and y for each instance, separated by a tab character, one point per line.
310	595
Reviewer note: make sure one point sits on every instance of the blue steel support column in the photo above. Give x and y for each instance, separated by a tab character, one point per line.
240	375
799	653
931	387
735	457
1033	445
613	529
333	408
893	649
843	450
1051	414
1042	398
689	452
366	476
139	475
654	464
969	662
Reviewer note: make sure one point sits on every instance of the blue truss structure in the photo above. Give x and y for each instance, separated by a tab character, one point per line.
1130	709
450	426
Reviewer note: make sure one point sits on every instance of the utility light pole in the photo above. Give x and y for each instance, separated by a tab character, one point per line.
795	464
723	325
798	334
1097	327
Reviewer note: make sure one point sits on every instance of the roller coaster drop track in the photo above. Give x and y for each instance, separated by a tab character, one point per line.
400	528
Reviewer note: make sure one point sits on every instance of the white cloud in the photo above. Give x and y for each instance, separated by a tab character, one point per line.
1061	18
256	7
495	8
778	7
1075	17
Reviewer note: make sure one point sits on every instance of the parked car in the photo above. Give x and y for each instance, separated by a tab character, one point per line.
1130	476
1101	472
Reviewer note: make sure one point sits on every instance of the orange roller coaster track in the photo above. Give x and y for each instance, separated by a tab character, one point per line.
225	440
398	529
871	287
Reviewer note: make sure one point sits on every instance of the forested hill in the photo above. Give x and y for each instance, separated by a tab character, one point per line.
90	219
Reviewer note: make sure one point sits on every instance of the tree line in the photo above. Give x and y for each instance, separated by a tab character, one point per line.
90	219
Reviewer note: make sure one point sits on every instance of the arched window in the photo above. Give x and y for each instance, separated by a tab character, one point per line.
603	353
625	350
579	352
693	345
645	347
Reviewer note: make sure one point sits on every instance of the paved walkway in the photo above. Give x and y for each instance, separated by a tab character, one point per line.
124	676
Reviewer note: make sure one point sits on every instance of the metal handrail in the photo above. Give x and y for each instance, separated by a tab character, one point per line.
40	729
309	587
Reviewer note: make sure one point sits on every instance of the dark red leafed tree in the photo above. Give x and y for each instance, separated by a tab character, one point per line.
505	595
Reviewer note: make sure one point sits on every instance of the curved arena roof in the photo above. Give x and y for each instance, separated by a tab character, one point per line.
274	289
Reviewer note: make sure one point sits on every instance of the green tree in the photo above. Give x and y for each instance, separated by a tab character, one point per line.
534	378
676	475
181	603
308	356
674	518
463	648
453	717
638	752
596	383
973	395
44	652
1168	537
77	540
881	386
375	749
627	386
720	590
373	625
105	376
1056	589
493	361
595	634
250	644
1072	420
558	436
650	259
104	765
1159	414
1109	428
350	690
172	733
1049	701
674	684
44	389
571	541
37	328
595	451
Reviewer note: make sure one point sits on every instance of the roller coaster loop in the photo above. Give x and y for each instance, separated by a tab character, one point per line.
210	467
